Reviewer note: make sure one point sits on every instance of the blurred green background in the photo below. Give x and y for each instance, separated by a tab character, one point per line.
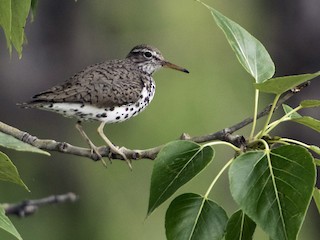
66	36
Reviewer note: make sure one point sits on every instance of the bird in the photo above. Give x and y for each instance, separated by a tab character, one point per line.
109	92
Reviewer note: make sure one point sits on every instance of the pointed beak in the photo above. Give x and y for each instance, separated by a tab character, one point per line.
173	66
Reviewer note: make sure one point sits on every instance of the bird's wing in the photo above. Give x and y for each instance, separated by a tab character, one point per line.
102	85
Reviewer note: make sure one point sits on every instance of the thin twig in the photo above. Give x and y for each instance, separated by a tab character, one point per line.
220	135
29	207
223	135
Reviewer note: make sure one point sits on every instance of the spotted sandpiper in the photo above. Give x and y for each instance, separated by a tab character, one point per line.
109	92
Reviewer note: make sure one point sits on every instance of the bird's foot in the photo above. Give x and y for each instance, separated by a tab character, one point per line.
113	148
120	151
95	150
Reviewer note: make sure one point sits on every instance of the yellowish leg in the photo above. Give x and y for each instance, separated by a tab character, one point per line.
113	148
92	146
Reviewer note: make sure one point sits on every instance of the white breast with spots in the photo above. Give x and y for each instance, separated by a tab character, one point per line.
107	115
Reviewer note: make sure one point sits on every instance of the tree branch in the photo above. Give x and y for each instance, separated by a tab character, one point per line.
224	135
29	207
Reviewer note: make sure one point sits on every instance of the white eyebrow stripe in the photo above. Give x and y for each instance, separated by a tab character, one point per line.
155	54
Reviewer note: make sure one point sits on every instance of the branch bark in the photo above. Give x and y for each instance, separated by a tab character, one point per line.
133	154
29	207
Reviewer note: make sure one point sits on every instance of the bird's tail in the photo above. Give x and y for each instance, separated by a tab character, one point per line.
28	105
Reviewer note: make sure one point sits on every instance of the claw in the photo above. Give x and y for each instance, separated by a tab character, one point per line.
93	147
113	148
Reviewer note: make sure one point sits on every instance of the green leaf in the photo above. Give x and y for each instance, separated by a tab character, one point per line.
13	15
280	85
316	198
274	194
304	120
8	141
9	172
240	226
315	149
250	52
310	103
191	216
309	122
176	164
7	225
5	20
34	5
317	162
288	109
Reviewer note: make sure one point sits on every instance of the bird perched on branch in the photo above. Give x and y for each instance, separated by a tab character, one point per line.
109	92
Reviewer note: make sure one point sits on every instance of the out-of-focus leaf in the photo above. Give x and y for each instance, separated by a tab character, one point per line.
310	103
9	172
13	143
7	225
13	15
316	198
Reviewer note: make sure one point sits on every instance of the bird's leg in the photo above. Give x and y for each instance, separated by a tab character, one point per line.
92	146
113	148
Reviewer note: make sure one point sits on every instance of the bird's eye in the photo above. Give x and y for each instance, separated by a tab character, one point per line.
147	54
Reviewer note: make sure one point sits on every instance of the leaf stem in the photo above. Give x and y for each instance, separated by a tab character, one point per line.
254	123
222	143
288	140
284	118
217	177
274	104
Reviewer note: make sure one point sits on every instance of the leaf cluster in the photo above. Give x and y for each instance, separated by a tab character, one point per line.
272	179
13	17
9	173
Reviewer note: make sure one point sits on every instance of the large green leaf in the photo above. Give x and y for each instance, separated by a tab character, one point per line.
276	193
7	225
13	15
13	143
304	120
9	172
250	52
280	85
193	217
240	226
316	198
309	122
176	164
310	103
